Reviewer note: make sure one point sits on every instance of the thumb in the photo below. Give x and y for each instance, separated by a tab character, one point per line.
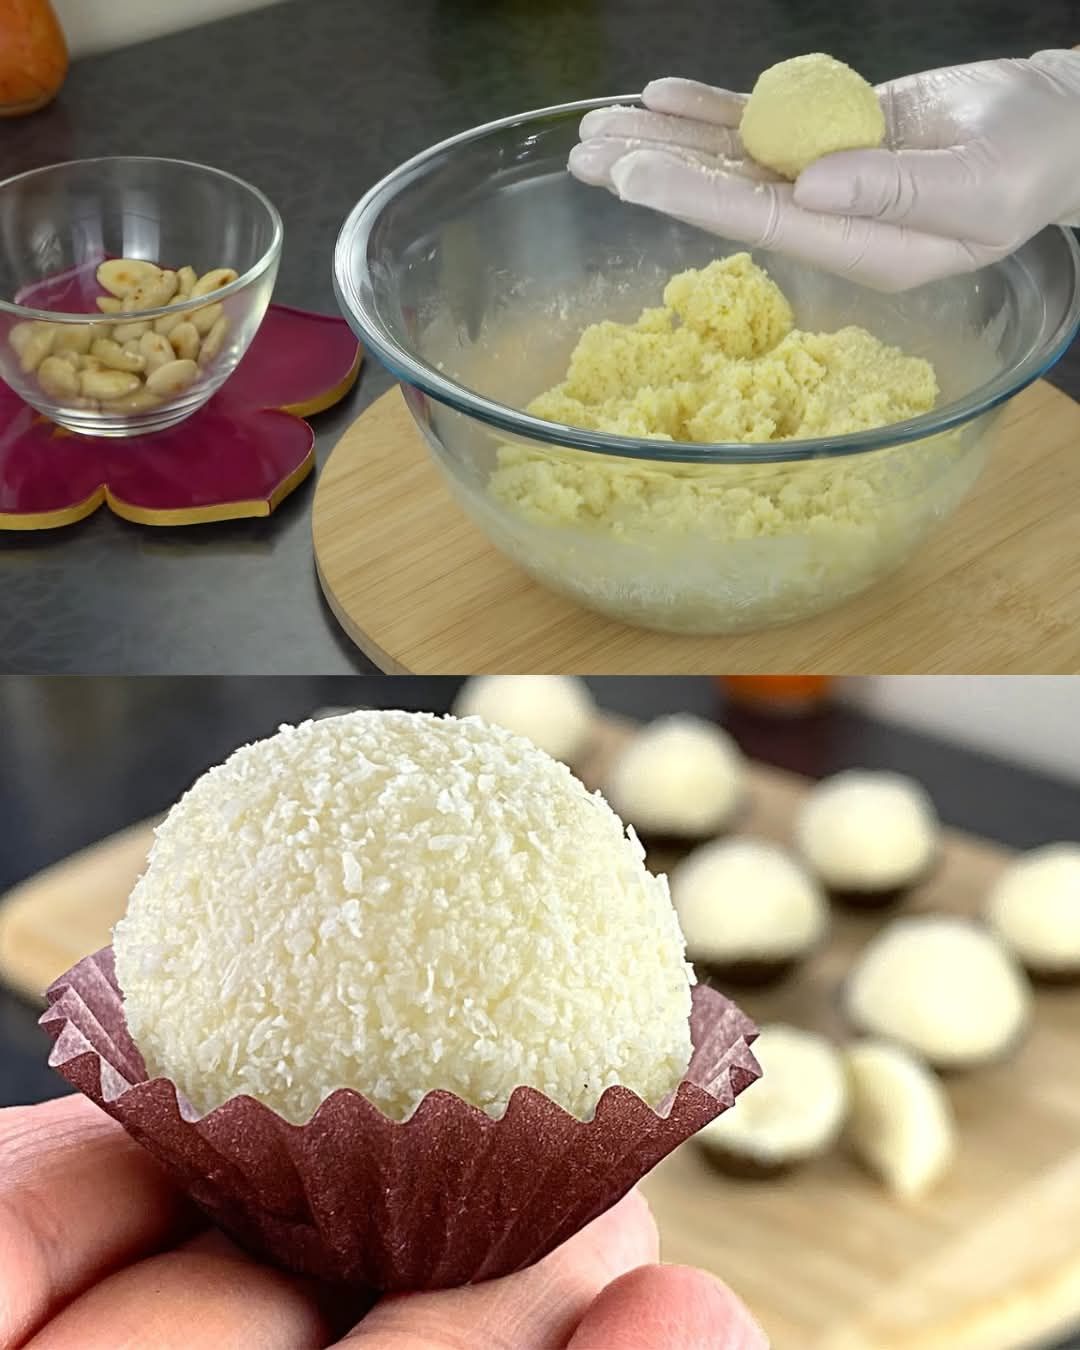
667	1308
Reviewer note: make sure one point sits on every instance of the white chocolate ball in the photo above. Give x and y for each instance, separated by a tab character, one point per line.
746	899
796	1108
807	107
1035	908
863	830
901	1123
395	902
942	986
555	712
678	776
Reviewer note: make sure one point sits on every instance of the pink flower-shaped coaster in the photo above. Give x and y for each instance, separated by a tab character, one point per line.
239	455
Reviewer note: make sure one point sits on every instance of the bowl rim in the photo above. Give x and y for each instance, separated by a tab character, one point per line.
411	370
269	256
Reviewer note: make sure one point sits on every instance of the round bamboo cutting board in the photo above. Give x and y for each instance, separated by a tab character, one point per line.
420	590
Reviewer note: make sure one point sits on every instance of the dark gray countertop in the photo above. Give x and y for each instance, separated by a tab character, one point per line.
313	102
83	758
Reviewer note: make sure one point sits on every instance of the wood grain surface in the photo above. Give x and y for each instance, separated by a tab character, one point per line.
827	1259
420	590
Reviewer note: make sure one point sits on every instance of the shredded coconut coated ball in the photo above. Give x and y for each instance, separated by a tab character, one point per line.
865	828
396	902
680	775
555	712
1035	908
746	899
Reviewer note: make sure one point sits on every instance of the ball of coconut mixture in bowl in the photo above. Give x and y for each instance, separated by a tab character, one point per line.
396	903
807	107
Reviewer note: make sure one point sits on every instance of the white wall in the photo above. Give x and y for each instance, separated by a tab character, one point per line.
1032	719
99	25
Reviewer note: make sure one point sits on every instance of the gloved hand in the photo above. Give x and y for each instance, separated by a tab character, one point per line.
979	159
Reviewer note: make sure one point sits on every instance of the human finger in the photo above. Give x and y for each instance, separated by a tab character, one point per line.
637	124
78	1199
667	1308
690	98
764	215
204	1295
591	162
536	1309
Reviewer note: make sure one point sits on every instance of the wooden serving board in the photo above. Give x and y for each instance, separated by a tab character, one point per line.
420	590
825	1257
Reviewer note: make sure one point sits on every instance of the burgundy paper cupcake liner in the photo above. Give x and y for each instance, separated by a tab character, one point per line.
448	1197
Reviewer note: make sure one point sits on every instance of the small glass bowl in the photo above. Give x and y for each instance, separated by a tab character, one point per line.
58	223
471	271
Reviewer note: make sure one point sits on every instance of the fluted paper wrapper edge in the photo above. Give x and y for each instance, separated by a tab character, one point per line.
448	1197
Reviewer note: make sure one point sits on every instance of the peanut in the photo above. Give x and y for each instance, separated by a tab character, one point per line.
73	337
58	378
213	341
19	336
152	294
112	355
157	351
121	276
125	332
33	342
108	384
165	325
205	318
185	341
139	401
213	281
138	363
172	379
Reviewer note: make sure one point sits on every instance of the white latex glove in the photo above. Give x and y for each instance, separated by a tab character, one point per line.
979	159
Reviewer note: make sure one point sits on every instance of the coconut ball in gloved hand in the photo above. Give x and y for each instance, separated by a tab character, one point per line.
976	159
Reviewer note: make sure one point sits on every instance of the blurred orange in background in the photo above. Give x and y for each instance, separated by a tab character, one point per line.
776	693
33	56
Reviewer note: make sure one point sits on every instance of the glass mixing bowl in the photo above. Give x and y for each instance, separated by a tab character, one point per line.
57	224
471	271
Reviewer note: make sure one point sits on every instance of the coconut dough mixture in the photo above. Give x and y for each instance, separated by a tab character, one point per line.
721	360
721	547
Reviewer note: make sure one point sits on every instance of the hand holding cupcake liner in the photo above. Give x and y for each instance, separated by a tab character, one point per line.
294	1021
448	1197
